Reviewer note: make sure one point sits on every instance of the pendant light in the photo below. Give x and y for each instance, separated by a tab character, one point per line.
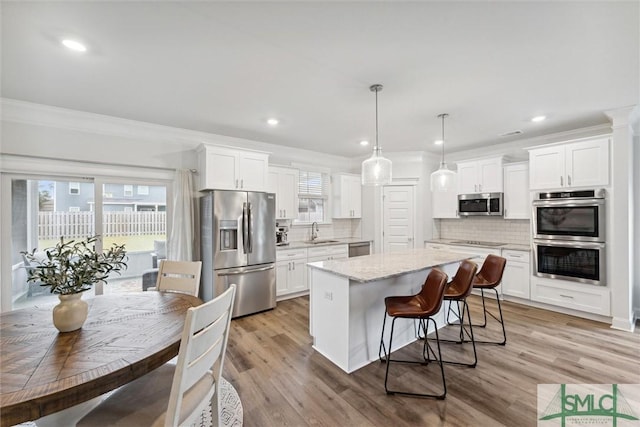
443	179
376	170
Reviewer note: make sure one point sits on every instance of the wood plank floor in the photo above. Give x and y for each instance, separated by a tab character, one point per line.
282	381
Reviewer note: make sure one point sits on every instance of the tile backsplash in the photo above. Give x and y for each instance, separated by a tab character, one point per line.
339	228
484	229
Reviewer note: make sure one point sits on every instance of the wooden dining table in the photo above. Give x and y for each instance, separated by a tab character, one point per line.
126	335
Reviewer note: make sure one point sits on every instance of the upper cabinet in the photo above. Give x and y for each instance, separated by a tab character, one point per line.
223	168
284	182
347	196
516	191
570	165
444	204
480	176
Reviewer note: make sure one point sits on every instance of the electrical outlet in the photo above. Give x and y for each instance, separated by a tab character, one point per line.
328	295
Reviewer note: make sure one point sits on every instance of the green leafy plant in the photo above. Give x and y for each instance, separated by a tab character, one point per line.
71	267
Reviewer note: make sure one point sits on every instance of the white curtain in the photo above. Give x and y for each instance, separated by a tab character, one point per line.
181	241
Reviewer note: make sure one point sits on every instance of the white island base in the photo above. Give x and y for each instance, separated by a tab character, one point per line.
346	314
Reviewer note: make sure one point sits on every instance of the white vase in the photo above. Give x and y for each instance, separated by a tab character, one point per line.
71	313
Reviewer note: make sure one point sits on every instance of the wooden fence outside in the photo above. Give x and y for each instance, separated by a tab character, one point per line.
52	225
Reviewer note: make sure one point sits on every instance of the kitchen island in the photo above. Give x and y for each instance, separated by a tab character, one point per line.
346	301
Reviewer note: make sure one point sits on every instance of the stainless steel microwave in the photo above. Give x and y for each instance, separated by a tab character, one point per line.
480	204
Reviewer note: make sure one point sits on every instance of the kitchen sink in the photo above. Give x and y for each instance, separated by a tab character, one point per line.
318	241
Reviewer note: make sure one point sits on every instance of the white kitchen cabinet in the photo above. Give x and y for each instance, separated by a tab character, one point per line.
516	191
480	176
347	196
444	204
570	165
291	275
577	296
516	276
284	182
223	168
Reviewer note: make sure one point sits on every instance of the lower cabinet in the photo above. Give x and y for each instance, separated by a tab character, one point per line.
589	298
291	266
517	273
291	271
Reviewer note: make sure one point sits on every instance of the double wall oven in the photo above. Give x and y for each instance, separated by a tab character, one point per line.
569	230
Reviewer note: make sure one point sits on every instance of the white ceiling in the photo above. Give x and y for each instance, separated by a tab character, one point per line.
225	67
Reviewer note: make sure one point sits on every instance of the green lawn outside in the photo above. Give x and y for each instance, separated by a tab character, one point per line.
132	243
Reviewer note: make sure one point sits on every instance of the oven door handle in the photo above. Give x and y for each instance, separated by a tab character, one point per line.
569	244
560	203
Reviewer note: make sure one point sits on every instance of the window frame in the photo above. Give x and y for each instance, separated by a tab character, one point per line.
326	194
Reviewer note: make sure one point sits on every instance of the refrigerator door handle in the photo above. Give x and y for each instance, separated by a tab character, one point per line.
244	271
245	227
250	232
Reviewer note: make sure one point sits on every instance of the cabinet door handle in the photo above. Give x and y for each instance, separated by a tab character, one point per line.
236	183
242	183
569	180
566	296
505	212
285	213
561	184
480	187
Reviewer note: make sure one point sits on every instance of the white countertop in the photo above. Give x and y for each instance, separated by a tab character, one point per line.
299	244
510	246
382	266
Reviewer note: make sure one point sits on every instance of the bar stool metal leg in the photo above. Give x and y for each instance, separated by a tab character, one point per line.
499	320
425	355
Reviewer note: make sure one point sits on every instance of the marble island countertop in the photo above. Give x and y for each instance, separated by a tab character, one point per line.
497	245
298	244
381	266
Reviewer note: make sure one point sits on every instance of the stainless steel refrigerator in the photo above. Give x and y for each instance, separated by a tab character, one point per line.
239	246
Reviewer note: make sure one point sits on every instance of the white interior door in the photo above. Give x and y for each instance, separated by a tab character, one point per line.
398	218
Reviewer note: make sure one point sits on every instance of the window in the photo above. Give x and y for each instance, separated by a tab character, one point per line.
74	188
313	195
128	190
74	209
143	190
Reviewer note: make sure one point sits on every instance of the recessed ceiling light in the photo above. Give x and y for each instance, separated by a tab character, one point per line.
364	143
273	122
438	142
538	118
74	45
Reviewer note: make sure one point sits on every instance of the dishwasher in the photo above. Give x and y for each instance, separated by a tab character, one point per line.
359	249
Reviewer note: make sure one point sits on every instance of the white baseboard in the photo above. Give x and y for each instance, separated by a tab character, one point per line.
623	324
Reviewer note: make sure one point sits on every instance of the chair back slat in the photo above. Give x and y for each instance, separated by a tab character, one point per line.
179	276
200	358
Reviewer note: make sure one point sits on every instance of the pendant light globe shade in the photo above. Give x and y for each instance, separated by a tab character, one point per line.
443	179
376	170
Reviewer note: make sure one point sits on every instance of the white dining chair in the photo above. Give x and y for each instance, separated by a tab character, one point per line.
179	276
180	394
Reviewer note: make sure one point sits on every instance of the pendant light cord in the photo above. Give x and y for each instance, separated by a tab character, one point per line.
443	138
443	115
377	147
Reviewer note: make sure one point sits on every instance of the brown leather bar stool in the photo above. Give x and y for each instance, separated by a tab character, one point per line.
489	277
422	307
457	290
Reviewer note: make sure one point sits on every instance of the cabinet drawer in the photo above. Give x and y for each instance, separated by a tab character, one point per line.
516	256
586	298
291	254
339	250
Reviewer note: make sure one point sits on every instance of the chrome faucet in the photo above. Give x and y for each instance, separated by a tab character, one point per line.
314	234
